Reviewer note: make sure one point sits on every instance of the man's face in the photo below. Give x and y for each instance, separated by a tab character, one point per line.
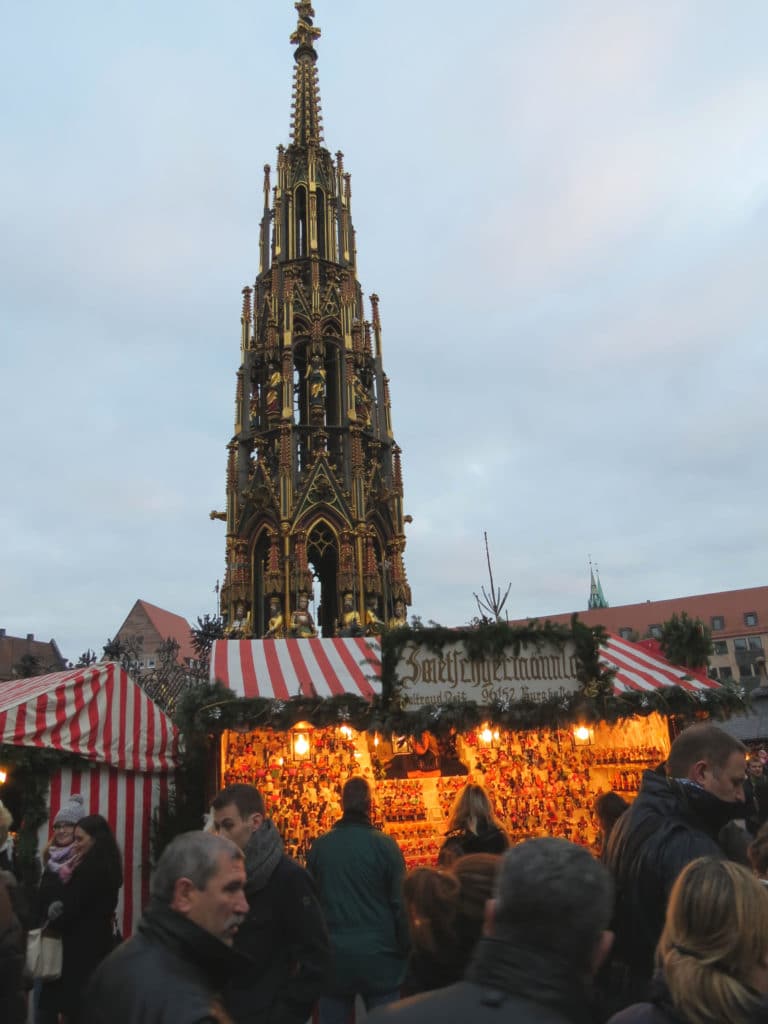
726	783
219	908
231	825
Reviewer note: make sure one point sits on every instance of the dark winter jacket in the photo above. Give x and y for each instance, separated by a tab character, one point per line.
86	926
670	824
659	1009
503	985
284	936
359	874
13	998
169	972
488	839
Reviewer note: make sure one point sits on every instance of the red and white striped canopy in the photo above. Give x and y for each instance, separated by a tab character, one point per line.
281	669
638	668
98	712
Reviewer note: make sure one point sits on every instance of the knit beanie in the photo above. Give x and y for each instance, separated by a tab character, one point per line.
71	812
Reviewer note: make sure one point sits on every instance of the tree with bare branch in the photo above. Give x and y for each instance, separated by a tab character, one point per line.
491	604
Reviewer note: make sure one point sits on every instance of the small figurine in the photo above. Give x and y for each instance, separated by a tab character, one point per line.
275	625
302	623
349	623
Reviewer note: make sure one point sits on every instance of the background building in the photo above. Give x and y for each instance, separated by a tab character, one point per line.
147	628
25	656
738	620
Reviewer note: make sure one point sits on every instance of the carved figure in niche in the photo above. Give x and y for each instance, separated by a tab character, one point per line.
275	625
362	403
316	376
373	624
349	623
399	617
272	398
302	623
241	623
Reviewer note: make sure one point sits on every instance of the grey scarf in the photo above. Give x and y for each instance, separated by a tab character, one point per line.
262	854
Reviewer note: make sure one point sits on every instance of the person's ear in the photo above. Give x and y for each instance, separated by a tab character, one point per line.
698	772
257	820
489	917
183	890
603	947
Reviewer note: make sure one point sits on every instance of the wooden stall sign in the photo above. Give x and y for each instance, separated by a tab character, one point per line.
536	672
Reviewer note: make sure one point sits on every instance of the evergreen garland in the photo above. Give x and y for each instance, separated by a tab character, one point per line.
213	708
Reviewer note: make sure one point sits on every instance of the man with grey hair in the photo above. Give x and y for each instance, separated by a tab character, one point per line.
545	937
172	970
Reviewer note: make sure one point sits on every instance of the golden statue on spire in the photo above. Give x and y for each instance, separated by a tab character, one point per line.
305	33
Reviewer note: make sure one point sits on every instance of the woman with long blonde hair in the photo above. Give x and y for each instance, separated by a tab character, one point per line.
713	952
473	827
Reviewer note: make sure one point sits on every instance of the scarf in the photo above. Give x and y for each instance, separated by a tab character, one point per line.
545	979
61	861
262	854
709	809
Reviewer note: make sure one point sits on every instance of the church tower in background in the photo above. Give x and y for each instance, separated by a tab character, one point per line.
314	482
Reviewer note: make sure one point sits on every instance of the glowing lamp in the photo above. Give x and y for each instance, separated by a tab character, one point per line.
583	735
3	776
486	735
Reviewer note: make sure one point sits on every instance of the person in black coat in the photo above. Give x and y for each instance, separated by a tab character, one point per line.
472	828
713	952
676	818
284	933
545	936
13	995
84	913
173	970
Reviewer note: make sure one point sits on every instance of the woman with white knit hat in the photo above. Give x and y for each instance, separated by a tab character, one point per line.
58	858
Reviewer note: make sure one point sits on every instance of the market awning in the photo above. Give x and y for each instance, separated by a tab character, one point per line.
638	668
98	712
281	669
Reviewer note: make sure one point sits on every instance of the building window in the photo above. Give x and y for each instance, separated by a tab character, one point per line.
720	647
625	632
745	670
726	672
717	622
712	673
150	663
655	632
750	618
754	643
739	643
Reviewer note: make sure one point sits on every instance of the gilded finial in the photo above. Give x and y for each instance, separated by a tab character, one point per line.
305	32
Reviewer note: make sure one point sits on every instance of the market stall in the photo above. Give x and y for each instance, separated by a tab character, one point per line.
545	719
95	732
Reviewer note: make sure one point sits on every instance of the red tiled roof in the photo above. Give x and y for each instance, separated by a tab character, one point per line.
731	605
168	624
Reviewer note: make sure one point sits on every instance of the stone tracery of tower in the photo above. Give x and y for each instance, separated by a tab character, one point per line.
314	480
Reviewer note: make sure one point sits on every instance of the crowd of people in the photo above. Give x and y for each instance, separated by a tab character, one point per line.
668	925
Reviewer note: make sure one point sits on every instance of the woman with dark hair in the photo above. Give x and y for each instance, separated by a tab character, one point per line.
84	913
445	919
609	807
473	827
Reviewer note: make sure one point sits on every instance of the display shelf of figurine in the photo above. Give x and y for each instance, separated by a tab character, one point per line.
542	782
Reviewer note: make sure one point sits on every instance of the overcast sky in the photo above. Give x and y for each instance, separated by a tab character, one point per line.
564	209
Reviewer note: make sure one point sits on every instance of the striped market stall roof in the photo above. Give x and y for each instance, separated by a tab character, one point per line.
638	668
129	749
281	669
98	712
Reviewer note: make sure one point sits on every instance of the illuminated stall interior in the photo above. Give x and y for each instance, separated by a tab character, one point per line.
541	782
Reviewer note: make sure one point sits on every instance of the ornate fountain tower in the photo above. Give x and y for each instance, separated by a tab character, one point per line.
314	481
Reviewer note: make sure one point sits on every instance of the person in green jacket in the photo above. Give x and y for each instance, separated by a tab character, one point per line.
359	875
